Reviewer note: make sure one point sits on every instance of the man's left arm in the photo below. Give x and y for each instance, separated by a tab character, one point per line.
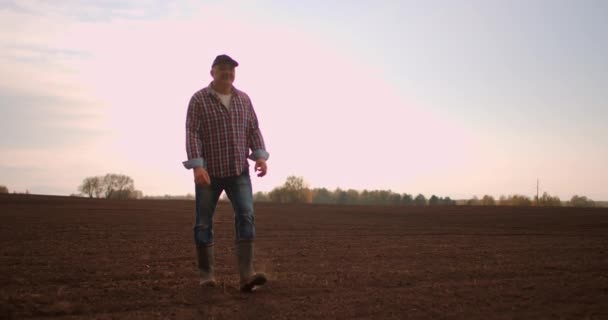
255	142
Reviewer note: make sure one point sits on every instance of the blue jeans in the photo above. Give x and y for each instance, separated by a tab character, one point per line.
238	189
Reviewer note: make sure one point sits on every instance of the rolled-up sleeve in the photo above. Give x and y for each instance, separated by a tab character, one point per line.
194	143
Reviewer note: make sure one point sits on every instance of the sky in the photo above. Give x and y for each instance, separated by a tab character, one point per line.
452	98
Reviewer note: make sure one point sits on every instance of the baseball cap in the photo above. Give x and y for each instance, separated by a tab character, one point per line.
222	58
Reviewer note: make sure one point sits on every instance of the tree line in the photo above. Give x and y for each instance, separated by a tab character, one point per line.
296	190
546	200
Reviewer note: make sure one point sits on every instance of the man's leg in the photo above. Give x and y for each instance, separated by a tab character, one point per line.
240	194
206	201
238	190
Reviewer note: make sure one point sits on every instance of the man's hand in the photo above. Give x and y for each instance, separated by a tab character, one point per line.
201	177
261	167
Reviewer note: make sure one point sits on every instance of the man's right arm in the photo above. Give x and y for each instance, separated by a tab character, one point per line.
194	143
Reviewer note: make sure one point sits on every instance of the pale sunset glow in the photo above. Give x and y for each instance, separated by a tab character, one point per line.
445	98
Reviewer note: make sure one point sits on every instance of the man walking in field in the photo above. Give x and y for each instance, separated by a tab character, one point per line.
221	128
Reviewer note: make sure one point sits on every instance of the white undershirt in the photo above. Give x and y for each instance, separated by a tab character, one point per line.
225	98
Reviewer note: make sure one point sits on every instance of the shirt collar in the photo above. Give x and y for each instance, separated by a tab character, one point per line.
235	91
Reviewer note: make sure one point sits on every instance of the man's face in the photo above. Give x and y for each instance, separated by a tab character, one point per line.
223	73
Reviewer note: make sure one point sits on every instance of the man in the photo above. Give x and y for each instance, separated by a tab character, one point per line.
221	128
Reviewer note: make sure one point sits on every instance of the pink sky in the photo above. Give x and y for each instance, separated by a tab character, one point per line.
328	112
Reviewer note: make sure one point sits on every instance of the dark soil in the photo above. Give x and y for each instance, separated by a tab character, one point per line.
75	258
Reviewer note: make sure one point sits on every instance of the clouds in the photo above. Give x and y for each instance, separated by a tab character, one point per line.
42	121
95	11
43	104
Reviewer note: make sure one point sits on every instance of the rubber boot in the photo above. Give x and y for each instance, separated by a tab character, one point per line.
249	279
205	261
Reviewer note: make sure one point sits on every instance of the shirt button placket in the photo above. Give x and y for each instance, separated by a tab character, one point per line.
231	136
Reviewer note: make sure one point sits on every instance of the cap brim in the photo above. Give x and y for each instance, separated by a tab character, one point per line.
231	63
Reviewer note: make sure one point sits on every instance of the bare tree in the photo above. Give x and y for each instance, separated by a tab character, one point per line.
111	186
92	186
3	189
88	186
118	186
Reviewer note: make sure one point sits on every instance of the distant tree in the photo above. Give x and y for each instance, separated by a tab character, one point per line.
502	200
297	190
352	196
581	202
434	200
261	197
521	201
117	186
381	197
126	194
111	186
91	186
341	196
99	187
420	200
295	183
3	189
406	199
294	190
395	199
369	197
547	200
323	196
384	196
277	195
449	202
119	194
473	201
375	197
136	194
188	196
488	200
307	195
365	197
515	200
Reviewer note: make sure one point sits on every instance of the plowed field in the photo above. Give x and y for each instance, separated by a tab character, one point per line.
75	258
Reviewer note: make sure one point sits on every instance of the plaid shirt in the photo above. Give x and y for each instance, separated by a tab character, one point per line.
218	138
